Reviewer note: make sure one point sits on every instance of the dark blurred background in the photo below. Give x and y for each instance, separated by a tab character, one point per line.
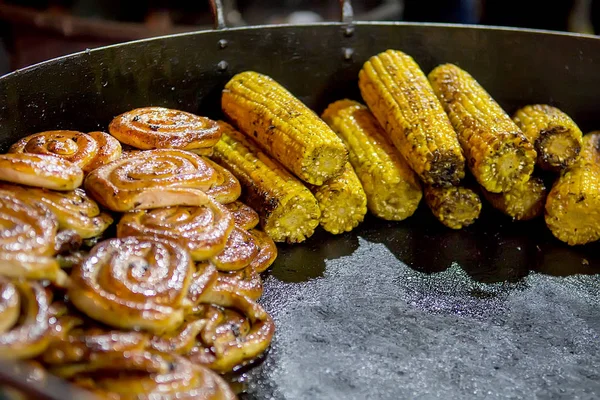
36	30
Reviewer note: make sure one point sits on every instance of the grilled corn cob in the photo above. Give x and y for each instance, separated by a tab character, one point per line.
288	210
573	205
498	153
392	188
454	206
342	201
284	127
522	202
401	98
557	139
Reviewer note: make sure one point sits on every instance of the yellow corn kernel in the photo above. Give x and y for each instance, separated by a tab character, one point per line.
288	210
573	205
401	98
284	127
342	200
498	153
454	206
556	137
392	188
522	202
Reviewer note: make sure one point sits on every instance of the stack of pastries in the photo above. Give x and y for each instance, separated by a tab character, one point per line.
127	263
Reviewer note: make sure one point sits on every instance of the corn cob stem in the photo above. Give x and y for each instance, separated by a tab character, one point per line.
288	210
498	153
284	127
573	205
454	206
392	188
342	201
556	137
401	98
523	202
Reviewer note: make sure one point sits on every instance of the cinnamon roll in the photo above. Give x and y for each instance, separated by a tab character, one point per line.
239	251
27	240
40	171
148	375
152	179
88	151
244	216
203	230
163	128
75	210
134	283
24	319
227	188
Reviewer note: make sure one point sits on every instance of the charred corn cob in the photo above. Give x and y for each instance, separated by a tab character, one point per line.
524	201
284	127
401	98
498	153
288	210
556	137
342	201
573	205
454	206
392	188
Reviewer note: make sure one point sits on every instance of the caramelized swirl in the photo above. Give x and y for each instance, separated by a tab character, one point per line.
202	230
163	128
239	251
152	179
74	210
40	171
227	188
134	283
267	251
244	216
147	375
27	235
245	281
88	151
25	328
224	344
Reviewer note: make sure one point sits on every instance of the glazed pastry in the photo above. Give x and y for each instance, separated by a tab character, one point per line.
40	171
74	210
134	283
143	180
244	216
202	230
24	319
163	128
239	251
87	151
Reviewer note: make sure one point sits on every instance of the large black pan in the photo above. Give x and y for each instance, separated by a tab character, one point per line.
392	310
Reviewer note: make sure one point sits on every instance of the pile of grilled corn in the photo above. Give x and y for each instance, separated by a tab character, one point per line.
418	136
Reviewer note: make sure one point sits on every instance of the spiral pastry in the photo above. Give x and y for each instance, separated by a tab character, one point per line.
226	351
245	281
267	252
134	283
239	251
143	180
27	239
163	128
87	151
75	210
40	171
148	375
202	230
24	316
227	188
244	216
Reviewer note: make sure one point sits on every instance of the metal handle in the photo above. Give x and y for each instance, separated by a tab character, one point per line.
346	16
